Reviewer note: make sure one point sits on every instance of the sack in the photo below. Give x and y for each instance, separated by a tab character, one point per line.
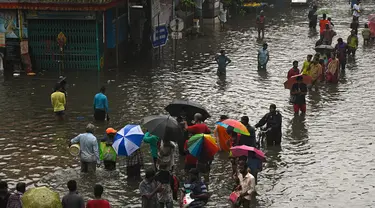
234	197
187	200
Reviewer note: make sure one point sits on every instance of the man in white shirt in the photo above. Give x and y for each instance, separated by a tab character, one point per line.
247	184
357	10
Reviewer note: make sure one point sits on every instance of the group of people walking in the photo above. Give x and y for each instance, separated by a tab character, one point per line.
329	61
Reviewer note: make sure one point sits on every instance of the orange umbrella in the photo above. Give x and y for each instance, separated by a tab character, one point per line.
291	81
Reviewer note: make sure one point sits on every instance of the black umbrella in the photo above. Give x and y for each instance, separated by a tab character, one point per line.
325	47
189	107
163	126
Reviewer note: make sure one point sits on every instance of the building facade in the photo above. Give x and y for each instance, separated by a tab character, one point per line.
60	35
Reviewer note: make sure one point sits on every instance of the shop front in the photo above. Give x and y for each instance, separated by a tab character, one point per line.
64	40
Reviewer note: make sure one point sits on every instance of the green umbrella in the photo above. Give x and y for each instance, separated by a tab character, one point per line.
323	11
41	197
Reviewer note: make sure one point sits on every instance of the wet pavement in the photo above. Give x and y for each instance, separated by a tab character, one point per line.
326	158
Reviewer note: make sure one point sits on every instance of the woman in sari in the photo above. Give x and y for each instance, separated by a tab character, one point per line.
316	71
333	69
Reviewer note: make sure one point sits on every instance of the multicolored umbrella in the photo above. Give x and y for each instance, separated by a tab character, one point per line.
243	150
128	140
41	197
237	126
202	143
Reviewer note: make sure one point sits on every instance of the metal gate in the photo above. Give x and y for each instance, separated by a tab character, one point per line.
80	51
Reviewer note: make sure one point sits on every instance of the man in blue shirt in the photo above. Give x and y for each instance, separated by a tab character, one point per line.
101	106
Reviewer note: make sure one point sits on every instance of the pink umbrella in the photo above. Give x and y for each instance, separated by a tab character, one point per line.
243	150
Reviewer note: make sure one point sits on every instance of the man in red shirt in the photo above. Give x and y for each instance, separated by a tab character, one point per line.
293	71
198	127
98	202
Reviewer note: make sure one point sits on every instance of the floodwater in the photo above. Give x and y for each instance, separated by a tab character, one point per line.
326	158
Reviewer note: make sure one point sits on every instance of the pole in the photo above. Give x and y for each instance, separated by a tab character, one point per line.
176	39
20	20
159	45
117	39
97	42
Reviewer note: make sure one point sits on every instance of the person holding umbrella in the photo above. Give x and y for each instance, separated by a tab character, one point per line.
107	153
221	135
244	139
154	142
134	163
199	127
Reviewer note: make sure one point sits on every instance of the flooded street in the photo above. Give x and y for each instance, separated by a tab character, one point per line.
327	158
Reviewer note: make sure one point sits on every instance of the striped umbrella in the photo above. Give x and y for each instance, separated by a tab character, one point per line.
128	140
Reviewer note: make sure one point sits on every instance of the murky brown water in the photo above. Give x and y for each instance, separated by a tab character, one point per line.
326	159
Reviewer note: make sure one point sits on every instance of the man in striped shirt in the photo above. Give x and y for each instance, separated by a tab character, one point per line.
197	190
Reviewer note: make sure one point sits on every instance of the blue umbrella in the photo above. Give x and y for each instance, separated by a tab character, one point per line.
128	140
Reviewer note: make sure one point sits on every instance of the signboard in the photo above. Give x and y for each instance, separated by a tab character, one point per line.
13	51
176	35
160	36
60	15
177	25
155	7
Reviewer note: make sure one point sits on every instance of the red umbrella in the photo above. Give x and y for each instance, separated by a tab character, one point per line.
291	81
243	150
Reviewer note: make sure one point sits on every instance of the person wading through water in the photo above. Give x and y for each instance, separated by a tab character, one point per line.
273	121
101	106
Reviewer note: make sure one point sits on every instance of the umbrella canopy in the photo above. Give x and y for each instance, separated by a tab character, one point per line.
292	80
323	11
243	150
41	197
163	126
237	126
324	47
189	107
371	18
128	140
202	143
